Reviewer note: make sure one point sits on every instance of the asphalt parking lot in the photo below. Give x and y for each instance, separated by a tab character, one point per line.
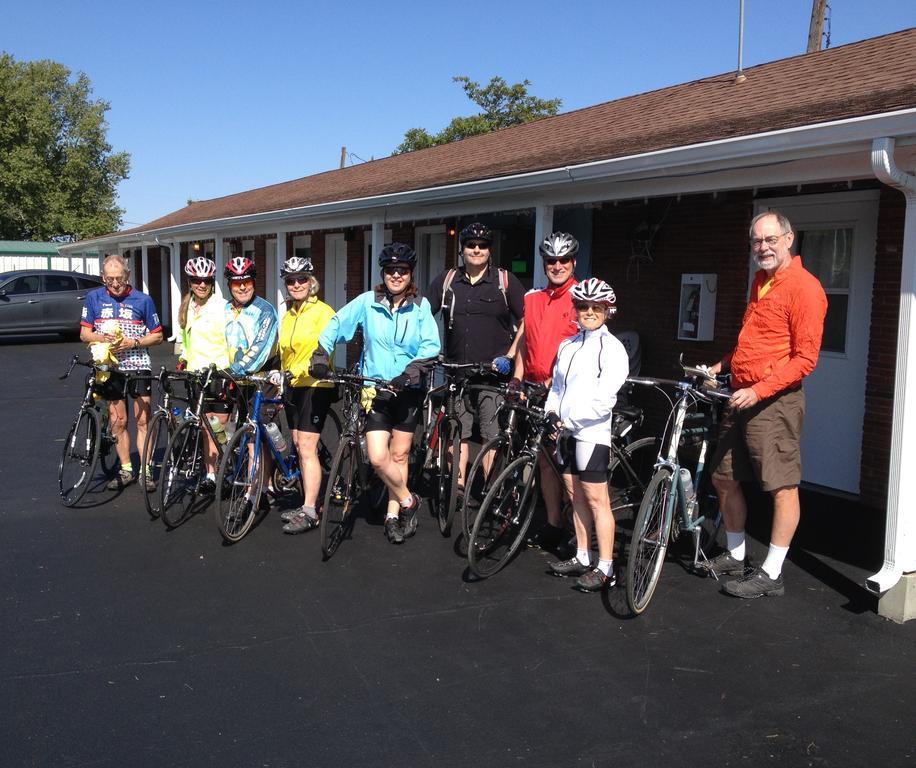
127	644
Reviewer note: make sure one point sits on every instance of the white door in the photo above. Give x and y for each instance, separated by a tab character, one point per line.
335	280
835	235
430	247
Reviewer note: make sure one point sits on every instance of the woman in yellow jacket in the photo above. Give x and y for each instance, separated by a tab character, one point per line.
201	317
309	399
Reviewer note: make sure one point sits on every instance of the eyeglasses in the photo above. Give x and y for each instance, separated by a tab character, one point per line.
242	282
564	260
770	240
200	280
477	244
297	280
115	280
396	270
585	306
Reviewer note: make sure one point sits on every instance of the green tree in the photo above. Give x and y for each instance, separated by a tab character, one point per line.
57	170
501	105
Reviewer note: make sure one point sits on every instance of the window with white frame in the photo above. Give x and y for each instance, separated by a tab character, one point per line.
827	254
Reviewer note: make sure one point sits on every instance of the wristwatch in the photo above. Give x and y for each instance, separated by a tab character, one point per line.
136	343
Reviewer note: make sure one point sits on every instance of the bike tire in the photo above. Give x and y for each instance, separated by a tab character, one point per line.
157	440
182	471
649	543
630	473
239	483
79	458
477	483
447	466
341	497
503	519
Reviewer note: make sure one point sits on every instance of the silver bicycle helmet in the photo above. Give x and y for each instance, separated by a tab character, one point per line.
559	245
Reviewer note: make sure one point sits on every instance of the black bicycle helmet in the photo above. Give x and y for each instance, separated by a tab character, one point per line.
559	245
475	231
397	253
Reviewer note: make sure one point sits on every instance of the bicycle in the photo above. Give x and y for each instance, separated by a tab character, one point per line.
88	442
442	437
240	479
163	424
350	478
183	464
671	487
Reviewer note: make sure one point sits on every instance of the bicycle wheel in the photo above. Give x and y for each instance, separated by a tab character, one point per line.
446	469
79	458
238	485
157	440
630	472
330	437
650	541
478	482
182	470
341	496
503	518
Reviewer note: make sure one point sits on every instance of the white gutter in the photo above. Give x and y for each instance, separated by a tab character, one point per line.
800	142
900	533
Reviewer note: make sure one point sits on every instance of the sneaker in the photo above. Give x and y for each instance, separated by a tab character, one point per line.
571	567
393	531
287	515
756	584
408	517
149	485
300	523
206	487
548	538
124	478
722	564
595	581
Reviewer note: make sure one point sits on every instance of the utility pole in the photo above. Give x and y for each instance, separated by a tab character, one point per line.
343	156
816	29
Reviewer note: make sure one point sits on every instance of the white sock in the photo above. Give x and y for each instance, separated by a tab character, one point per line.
392	516
211	476
310	512
772	566
735	544
605	566
582	556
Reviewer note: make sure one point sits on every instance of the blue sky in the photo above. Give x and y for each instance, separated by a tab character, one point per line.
213	98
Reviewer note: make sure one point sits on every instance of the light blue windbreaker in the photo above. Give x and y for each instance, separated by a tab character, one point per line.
392	340
251	335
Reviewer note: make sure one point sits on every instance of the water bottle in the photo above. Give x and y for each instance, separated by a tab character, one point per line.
219	431
690	494
275	436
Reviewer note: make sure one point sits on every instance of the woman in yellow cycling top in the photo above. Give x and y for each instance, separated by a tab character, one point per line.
202	318
308	400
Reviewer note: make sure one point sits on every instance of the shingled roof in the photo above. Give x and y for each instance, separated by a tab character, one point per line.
869	77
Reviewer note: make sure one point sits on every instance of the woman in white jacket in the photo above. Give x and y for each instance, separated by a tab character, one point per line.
590	369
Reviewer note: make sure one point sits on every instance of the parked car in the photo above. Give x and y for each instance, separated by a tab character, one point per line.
43	300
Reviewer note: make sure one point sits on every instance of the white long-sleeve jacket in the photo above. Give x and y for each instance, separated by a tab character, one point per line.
590	369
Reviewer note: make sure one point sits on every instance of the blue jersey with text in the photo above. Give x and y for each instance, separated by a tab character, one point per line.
136	317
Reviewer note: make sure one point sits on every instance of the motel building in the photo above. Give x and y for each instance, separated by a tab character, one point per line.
659	188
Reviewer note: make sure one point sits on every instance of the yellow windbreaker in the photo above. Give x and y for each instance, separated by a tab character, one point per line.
299	331
204	337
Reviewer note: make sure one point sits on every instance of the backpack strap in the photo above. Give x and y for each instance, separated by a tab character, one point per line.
504	284
446	286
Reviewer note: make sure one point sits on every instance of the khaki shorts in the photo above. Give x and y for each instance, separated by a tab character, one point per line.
763	443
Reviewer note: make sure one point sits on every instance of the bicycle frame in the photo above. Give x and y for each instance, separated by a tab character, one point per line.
289	465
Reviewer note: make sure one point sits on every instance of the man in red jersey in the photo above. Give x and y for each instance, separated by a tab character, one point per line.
549	318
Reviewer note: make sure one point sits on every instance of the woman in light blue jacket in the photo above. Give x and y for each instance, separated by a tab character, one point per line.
400	338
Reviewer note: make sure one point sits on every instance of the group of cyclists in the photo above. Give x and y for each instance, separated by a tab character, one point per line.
552	340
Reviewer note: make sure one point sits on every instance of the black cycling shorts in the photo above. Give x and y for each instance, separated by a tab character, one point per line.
588	461
400	412
307	408
119	385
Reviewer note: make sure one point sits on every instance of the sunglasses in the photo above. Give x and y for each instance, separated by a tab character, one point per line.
242	282
564	261
297	280
200	280
477	244
584	306
396	270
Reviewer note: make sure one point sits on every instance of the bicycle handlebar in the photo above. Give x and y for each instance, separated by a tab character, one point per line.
345	377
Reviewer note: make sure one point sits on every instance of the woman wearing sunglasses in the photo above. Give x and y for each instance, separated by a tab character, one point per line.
308	399
202	318
590	369
400	337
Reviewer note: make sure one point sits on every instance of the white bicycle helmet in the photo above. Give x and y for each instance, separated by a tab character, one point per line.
200	267
297	265
596	290
559	245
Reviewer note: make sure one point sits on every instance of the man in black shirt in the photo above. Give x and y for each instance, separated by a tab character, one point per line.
481	305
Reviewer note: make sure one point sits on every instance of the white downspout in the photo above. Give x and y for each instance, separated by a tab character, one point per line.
900	534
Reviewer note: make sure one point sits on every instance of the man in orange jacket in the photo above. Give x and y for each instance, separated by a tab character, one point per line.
778	346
